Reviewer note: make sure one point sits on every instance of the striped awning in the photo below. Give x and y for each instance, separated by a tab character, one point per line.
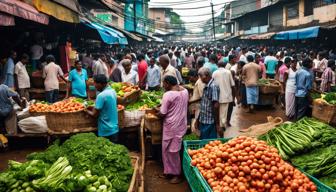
23	10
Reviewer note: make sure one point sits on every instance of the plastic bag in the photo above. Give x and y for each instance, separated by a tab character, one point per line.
36	124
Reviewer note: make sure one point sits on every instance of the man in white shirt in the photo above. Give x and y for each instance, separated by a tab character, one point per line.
22	80
36	54
223	78
167	69
51	73
243	56
128	75
100	67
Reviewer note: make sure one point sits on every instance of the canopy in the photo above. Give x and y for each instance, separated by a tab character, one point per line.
305	33
6	20
56	10
258	36
157	39
108	35
23	10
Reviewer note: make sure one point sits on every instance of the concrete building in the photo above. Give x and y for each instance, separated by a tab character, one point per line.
265	17
114	17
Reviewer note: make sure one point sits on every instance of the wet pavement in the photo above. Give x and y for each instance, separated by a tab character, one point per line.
19	148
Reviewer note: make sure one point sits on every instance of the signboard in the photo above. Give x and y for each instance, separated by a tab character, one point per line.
140	18
106	17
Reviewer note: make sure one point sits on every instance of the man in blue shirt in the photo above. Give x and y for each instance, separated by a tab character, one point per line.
271	62
212	64
78	81
9	70
153	76
304	83
105	109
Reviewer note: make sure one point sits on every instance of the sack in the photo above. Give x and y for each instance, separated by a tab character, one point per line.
260	129
36	124
23	114
132	118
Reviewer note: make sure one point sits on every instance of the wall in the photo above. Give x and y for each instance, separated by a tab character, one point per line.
322	14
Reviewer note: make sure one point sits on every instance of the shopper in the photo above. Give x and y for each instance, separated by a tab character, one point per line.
9	70
208	120
212	64
142	70
327	76
166	68
22	80
105	109
100	66
50	74
115	75
153	76
223	78
128	75
174	113
78	81
250	74
271	62
304	83
290	87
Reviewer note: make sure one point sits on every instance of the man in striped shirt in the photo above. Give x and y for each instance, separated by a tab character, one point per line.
208	120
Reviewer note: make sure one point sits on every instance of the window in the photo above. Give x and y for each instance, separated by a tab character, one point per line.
308	7
292	10
320	3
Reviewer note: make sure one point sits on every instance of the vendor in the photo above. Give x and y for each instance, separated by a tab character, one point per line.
105	109
174	113
128	74
7	113
78	81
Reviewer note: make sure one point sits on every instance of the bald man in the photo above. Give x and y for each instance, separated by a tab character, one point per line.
167	69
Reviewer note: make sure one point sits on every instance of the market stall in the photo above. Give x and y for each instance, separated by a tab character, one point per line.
269	90
286	157
66	167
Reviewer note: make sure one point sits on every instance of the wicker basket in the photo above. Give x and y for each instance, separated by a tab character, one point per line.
324	111
274	87
129	98
69	122
154	125
121	117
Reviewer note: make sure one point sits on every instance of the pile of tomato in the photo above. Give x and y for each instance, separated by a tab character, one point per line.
246	164
65	106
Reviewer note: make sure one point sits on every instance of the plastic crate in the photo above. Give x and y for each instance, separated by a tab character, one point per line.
197	182
321	187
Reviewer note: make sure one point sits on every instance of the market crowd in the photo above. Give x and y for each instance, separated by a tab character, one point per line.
202	86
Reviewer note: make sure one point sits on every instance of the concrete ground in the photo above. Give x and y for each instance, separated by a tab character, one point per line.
240	120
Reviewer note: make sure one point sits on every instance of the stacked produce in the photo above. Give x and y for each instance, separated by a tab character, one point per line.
268	82
148	100
309	145
247	164
190	137
67	105
328	97
84	162
123	89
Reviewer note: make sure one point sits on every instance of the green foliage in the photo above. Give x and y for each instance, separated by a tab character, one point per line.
149	98
191	136
330	98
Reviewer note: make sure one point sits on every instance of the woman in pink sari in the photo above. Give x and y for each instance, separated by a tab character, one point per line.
173	110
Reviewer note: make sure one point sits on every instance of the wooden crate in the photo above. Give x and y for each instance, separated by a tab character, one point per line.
129	98
324	111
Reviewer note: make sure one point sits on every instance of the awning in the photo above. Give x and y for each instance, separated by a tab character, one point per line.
108	35
258	36
157	39
23	10
71	4
6	20
56	10
143	36
305	33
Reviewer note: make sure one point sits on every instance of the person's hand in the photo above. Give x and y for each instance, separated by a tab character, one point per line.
197	124
220	131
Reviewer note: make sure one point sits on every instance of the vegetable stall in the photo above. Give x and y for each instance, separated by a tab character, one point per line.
268	91
84	162
289	157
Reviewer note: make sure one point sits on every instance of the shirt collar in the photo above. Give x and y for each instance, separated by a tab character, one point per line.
210	82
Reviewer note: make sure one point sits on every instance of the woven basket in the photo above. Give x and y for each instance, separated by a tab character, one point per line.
273	87
154	125
324	111
129	98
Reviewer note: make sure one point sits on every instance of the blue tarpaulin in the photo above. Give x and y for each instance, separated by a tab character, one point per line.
305	33
108	35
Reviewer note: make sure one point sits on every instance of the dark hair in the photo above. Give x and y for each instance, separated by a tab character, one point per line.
200	61
213	57
288	60
242	63
231	57
171	80
250	58
100	78
141	57
50	58
25	56
192	73
331	63
306	62
221	63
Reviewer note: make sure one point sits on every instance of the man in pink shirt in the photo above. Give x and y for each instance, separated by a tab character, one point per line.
142	71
